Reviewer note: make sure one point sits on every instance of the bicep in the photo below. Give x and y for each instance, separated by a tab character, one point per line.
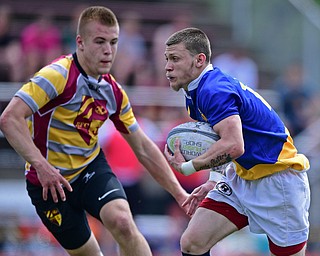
18	108
135	139
140	143
230	129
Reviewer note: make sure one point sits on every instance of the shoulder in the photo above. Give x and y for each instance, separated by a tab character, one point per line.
215	81
57	74
59	66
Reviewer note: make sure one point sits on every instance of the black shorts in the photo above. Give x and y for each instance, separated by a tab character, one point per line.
96	186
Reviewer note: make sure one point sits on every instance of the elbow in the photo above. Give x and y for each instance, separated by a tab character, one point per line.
4	122
237	151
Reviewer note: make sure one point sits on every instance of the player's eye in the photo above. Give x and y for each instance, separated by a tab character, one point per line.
175	58
100	42
114	42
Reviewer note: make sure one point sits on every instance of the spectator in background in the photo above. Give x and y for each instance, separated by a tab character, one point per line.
41	43
295	97
6	39
69	32
132	51
240	65
179	21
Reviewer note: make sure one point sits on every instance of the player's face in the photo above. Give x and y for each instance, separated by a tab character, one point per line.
97	48
180	66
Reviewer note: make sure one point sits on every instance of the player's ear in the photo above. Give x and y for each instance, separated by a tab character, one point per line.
200	59
79	42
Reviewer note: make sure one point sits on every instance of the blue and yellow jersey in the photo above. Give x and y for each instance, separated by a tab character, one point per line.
268	145
68	109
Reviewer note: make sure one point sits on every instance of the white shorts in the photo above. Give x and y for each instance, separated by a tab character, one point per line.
276	205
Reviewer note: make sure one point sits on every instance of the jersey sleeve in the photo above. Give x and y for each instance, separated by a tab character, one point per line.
219	103
124	118
127	117
46	85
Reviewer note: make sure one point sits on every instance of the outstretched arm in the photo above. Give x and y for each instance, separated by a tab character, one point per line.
153	160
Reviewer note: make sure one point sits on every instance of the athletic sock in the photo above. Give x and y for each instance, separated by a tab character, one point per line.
205	254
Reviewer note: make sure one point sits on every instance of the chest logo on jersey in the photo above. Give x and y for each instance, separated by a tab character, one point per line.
91	116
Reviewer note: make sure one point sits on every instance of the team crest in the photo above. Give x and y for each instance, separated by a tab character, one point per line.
91	116
224	188
54	216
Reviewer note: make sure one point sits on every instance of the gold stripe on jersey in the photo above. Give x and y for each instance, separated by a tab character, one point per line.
288	159
39	95
70	162
54	76
126	116
73	175
85	105
64	114
67	138
298	163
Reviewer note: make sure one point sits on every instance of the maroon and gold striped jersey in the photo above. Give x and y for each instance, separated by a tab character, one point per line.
68	109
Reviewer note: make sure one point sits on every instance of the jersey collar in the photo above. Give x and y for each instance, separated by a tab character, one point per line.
75	57
194	84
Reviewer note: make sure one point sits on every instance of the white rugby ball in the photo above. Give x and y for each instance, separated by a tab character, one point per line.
195	138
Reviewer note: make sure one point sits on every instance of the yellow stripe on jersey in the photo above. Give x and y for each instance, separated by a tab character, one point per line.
73	175
126	116
54	76
55	80
298	163
64	114
288	159
69	138
40	96
65	161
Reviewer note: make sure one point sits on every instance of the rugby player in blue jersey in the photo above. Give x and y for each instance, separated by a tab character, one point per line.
265	185
53	123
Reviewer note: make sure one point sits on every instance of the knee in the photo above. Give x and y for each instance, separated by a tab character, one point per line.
119	221
124	224
192	244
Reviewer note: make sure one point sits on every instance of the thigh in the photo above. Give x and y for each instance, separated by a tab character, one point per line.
99	186
66	223
91	247
283	213
208	227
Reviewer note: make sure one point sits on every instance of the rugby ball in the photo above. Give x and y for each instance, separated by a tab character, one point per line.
195	138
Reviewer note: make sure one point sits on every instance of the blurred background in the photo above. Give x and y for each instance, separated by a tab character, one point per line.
272	46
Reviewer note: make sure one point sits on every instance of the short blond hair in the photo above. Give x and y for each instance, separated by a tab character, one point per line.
100	14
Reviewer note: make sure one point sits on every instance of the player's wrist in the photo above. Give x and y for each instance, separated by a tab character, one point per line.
187	168
215	176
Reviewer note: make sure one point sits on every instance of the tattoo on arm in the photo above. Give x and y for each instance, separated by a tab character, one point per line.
219	160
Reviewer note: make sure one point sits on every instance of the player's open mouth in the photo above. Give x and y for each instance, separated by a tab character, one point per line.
170	78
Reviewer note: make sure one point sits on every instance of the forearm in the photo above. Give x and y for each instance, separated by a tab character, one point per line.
150	156
217	156
158	167
17	134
